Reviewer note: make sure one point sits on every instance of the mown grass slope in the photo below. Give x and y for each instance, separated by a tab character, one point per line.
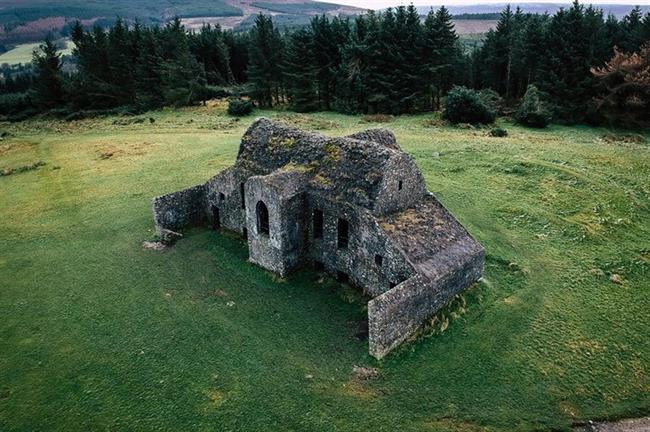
24	53
98	333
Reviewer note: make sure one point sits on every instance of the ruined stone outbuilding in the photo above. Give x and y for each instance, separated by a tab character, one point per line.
355	207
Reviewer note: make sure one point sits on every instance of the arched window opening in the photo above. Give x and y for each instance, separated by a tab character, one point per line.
262	218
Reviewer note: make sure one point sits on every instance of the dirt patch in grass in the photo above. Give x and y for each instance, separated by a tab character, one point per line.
626	138
435	123
377	118
20	169
156	246
126	121
107	151
361	389
215	396
364	373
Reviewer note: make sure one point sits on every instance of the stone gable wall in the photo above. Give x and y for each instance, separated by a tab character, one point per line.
366	240
400	312
223	192
283	249
390	198
179	209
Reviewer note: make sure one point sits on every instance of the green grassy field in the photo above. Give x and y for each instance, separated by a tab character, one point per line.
99	334
24	53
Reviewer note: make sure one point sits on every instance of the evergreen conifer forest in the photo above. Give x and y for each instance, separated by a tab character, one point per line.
390	62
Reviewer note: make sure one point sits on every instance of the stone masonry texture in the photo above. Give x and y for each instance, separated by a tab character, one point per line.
355	207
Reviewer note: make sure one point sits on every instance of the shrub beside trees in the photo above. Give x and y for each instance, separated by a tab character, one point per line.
465	105
238	107
531	111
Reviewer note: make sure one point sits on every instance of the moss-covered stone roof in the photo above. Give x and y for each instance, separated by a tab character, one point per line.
348	168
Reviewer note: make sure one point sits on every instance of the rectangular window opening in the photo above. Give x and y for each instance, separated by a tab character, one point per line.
243	197
379	260
318	224
400	184
216	218
343	234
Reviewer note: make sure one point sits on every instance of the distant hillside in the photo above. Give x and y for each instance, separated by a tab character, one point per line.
286	13
30	20
619	10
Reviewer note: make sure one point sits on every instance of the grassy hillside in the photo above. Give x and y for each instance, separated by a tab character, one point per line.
14	12
27	21
99	334
24	53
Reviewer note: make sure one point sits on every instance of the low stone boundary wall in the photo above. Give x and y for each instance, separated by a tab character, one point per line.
398	313
179	209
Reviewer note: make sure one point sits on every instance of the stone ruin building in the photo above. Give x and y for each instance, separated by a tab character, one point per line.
355	207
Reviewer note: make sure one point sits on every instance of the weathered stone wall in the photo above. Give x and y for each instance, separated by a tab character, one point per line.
404	249
223	192
400	170
283	249
380	136
179	209
398	313
366	241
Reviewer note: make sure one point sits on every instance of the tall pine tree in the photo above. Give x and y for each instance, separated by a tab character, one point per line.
440	54
48	85
300	72
265	61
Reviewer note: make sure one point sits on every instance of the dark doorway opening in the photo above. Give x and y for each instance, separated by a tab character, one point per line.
216	218
262	218
318	224
342	277
343	232
244	232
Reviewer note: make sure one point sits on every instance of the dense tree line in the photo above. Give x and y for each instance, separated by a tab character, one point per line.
556	54
386	62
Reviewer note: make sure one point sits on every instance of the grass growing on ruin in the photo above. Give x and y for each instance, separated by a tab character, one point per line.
98	333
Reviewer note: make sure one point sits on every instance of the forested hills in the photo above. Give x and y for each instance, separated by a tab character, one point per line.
30	20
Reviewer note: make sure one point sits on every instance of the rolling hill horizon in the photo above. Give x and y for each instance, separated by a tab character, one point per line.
24	21
27	21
